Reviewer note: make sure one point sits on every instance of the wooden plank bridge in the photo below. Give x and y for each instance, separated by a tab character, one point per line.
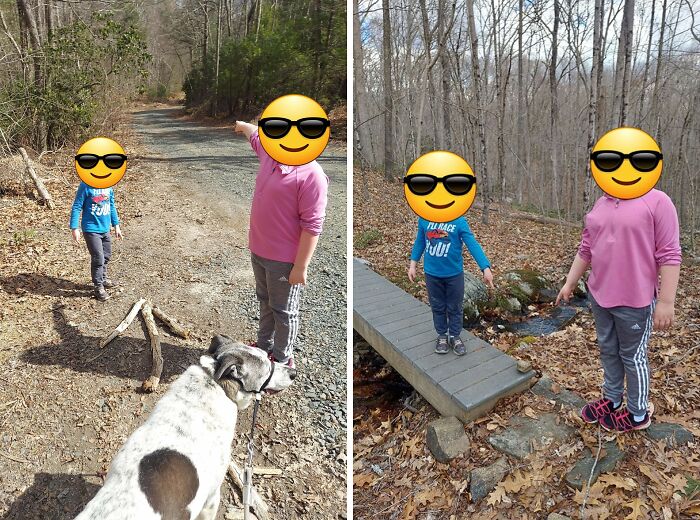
400	328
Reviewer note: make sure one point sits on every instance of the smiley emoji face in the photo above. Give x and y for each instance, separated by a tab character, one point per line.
440	186
294	130
100	162
626	163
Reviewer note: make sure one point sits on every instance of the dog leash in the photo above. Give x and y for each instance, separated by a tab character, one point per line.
248	469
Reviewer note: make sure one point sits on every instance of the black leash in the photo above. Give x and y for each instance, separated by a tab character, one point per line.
248	469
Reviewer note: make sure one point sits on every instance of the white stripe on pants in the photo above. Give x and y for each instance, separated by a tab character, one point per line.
279	306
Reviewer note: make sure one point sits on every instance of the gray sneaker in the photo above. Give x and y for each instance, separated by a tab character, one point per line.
458	346
100	293
441	345
107	283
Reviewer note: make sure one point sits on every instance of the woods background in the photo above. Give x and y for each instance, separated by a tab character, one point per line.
67	66
523	89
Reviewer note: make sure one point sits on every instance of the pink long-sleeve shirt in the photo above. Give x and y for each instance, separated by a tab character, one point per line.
626	242
287	199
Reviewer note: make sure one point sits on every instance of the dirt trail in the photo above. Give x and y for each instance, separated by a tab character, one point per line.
66	407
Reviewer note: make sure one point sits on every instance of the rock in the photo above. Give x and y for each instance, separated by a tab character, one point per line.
476	294
446	439
511	305
674	433
557	516
543	387
578	475
483	480
524	366
517	440
529	286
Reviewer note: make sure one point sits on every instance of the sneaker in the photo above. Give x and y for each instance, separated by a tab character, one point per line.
623	421
441	345
108	283
458	346
100	293
595	410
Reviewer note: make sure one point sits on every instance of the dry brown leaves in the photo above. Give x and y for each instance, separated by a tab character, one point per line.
655	481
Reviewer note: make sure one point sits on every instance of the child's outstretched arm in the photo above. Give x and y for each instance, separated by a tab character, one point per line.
244	128
416	252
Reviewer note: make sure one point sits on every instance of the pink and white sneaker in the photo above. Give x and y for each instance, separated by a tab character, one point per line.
595	410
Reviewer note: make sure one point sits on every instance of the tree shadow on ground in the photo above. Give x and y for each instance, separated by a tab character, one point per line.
59	496
44	285
124	357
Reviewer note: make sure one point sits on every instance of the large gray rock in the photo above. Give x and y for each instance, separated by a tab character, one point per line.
675	434
446	439
522	432
578	475
476	294
529	286
563	397
557	516
483	480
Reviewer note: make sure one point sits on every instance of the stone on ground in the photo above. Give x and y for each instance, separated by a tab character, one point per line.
523	433
557	516
545	388
483	480
446	439
529	286
578	475
476	295
674	433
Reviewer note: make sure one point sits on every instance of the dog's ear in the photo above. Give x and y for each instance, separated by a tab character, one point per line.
226	367
217	342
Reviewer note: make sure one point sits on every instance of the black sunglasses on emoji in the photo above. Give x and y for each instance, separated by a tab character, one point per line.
424	183
641	160
278	127
112	161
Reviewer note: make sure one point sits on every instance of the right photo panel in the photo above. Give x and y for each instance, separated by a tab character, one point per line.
526	260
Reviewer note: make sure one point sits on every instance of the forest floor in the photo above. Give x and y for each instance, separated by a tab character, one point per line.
395	476
66	406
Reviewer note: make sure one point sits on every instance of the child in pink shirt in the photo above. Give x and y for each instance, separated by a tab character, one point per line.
628	244
286	219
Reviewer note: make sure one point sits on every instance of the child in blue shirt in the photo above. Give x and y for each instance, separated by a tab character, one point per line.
444	275
99	214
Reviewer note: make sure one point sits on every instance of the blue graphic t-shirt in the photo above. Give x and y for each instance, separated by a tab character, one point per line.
442	244
98	209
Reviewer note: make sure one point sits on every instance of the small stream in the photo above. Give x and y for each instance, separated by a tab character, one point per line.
549	320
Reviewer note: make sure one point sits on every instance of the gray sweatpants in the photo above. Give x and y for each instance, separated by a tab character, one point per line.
279	307
623	334
100	247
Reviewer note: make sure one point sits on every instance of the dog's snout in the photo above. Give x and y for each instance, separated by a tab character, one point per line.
292	374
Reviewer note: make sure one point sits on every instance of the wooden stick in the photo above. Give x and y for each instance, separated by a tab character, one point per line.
43	192
258	506
267	471
173	325
150	384
124	324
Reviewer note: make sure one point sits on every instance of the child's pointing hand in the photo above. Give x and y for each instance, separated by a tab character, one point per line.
488	277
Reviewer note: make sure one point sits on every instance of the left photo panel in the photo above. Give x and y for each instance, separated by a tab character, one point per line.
173	260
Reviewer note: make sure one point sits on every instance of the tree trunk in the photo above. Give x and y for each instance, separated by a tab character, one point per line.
626	33
554	109
645	77
476	85
593	103
363	139
521	114
388	100
657	77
